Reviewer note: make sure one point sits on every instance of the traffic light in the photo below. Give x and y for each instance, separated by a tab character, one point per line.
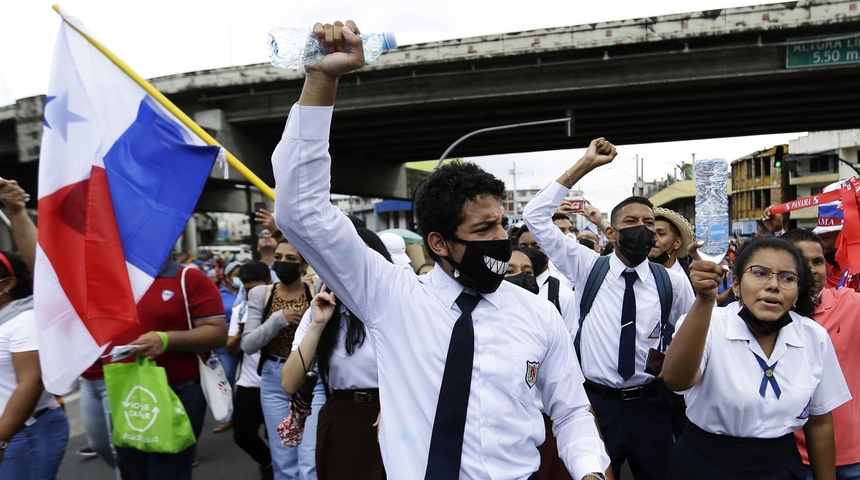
779	154
777	163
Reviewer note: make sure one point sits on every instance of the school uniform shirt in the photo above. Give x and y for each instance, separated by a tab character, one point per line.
727	401
555	272
248	376
345	372
520	340
566	299
601	330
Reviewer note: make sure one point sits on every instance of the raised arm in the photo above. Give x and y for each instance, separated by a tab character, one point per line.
572	259
14	198
302	167
306	341
682	367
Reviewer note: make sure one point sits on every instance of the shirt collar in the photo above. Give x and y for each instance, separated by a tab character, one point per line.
448	289
543	277
617	267
737	329
827	301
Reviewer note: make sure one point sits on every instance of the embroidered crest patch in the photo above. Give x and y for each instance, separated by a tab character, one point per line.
531	373
166	295
656	332
805	413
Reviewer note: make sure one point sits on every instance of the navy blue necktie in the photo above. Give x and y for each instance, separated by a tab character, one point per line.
767	377
627	344
446	443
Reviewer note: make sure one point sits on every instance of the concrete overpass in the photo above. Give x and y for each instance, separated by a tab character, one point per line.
708	74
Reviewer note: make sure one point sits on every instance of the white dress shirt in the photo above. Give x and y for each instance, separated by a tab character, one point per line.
566	299
601	331
727	400
410	320
248	376
554	271
345	372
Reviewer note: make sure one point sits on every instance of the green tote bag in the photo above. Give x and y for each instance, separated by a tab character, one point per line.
146	413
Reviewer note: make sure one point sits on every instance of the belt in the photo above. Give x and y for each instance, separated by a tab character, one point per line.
368	395
631	393
275	358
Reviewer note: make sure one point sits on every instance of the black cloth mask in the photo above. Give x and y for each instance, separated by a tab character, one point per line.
760	326
634	243
661	259
287	272
484	264
525	281
538	258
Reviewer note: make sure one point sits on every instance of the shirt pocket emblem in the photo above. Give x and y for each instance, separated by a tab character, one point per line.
531	373
805	413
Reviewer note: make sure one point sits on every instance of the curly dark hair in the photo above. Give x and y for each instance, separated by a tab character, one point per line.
804	305
440	199
24	287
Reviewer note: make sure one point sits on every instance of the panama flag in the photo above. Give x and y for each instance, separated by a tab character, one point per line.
118	178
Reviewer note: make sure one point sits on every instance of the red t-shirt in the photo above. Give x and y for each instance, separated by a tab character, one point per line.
834	276
837	312
162	309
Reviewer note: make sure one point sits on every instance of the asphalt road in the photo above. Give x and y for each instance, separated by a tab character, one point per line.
219	456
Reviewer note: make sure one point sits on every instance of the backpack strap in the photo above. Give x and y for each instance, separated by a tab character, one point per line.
592	285
552	292
664	291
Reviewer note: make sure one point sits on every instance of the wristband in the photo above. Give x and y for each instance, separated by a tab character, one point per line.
569	179
163	337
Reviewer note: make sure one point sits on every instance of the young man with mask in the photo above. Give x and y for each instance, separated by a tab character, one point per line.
672	235
460	352
623	323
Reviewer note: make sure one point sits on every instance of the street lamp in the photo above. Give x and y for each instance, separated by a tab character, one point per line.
567	119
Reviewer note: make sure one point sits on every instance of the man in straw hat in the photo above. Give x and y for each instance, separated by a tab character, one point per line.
673	233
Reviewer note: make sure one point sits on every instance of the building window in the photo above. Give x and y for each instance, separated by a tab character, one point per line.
819	165
758	162
766	197
767	164
749	168
815	190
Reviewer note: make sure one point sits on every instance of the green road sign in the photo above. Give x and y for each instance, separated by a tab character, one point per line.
822	51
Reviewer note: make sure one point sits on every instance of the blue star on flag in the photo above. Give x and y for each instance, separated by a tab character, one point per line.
61	116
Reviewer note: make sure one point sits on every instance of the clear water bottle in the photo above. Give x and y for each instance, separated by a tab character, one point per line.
712	208
296	47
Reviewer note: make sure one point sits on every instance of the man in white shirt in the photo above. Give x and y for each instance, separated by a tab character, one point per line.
624	321
417	324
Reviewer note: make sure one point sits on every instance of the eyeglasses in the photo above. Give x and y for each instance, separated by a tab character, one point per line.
764	274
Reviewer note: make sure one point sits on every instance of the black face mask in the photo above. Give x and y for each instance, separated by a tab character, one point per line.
525	281
760	326
538	258
831	258
287	272
634	243
661	259
484	264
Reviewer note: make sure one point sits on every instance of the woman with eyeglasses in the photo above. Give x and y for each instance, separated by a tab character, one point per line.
34	429
754	371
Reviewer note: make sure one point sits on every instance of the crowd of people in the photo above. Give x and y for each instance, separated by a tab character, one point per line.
530	352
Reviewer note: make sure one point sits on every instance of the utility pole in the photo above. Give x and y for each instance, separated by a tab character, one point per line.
513	172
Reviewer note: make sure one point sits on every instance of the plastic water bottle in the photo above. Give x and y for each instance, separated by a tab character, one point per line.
712	208
296	47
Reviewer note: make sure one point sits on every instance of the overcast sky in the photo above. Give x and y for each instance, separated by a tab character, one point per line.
159	37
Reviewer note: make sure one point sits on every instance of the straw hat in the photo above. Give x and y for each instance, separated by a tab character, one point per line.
680	223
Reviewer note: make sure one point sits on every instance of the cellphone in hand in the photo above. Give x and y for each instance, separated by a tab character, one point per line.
259	206
576	206
654	362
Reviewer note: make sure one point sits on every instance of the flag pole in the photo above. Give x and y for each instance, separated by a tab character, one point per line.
185	119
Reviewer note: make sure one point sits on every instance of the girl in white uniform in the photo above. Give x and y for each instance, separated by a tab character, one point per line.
347	446
754	371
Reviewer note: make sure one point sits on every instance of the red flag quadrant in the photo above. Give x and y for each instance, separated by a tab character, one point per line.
118	178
